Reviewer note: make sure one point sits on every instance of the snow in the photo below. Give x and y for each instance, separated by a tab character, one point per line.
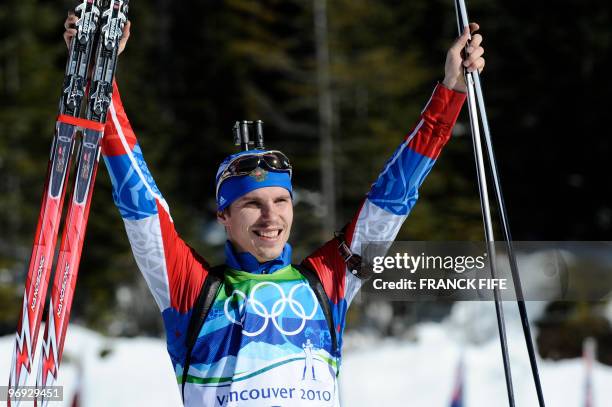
418	370
133	372
421	371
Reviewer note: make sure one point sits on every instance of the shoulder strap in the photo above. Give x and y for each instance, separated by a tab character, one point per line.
317	287
206	297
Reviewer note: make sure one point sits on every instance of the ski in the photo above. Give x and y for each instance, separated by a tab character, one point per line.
45	237
113	19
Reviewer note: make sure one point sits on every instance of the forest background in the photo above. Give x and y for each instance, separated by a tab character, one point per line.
193	68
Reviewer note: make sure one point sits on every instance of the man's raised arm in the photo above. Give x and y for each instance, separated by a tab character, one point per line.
395	192
172	270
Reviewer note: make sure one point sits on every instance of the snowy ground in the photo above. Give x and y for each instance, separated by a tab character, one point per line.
416	371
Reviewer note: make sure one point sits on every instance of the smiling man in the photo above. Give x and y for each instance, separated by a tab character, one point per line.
254	202
260	222
269	338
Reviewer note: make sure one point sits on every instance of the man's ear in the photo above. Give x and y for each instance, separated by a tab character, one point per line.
223	217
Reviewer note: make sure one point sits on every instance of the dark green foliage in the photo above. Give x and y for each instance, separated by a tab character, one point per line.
192	68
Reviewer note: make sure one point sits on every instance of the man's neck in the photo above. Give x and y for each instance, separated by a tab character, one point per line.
246	261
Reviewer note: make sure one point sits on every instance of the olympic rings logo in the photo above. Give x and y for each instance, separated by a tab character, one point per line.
258	308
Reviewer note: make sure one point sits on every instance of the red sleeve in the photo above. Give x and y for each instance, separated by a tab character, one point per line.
174	272
392	196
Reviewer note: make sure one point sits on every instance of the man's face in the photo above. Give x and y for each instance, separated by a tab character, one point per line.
259	222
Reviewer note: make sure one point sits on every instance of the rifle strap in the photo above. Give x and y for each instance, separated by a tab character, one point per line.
205	299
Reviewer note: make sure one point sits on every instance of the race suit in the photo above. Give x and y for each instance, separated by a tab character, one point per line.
265	341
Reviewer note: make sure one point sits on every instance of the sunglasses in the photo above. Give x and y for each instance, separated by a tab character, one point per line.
245	164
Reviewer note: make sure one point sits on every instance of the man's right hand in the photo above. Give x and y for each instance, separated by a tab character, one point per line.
70	26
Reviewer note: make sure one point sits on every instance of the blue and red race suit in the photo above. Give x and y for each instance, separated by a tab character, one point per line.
265	341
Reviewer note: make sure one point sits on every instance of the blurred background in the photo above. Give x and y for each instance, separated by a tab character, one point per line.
191	69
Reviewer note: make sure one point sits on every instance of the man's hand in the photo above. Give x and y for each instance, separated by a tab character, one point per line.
70	26
453	69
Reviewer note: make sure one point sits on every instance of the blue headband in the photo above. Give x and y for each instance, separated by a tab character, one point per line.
235	187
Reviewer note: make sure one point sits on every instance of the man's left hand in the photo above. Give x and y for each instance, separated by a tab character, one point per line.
455	63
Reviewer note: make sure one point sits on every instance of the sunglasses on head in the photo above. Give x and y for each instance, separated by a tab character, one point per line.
245	164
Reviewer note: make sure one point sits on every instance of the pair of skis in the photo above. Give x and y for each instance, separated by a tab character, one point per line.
104	20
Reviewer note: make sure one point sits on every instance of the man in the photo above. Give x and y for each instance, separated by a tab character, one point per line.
266	341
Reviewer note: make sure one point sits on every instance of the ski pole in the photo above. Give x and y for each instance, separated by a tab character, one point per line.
486	215
462	21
